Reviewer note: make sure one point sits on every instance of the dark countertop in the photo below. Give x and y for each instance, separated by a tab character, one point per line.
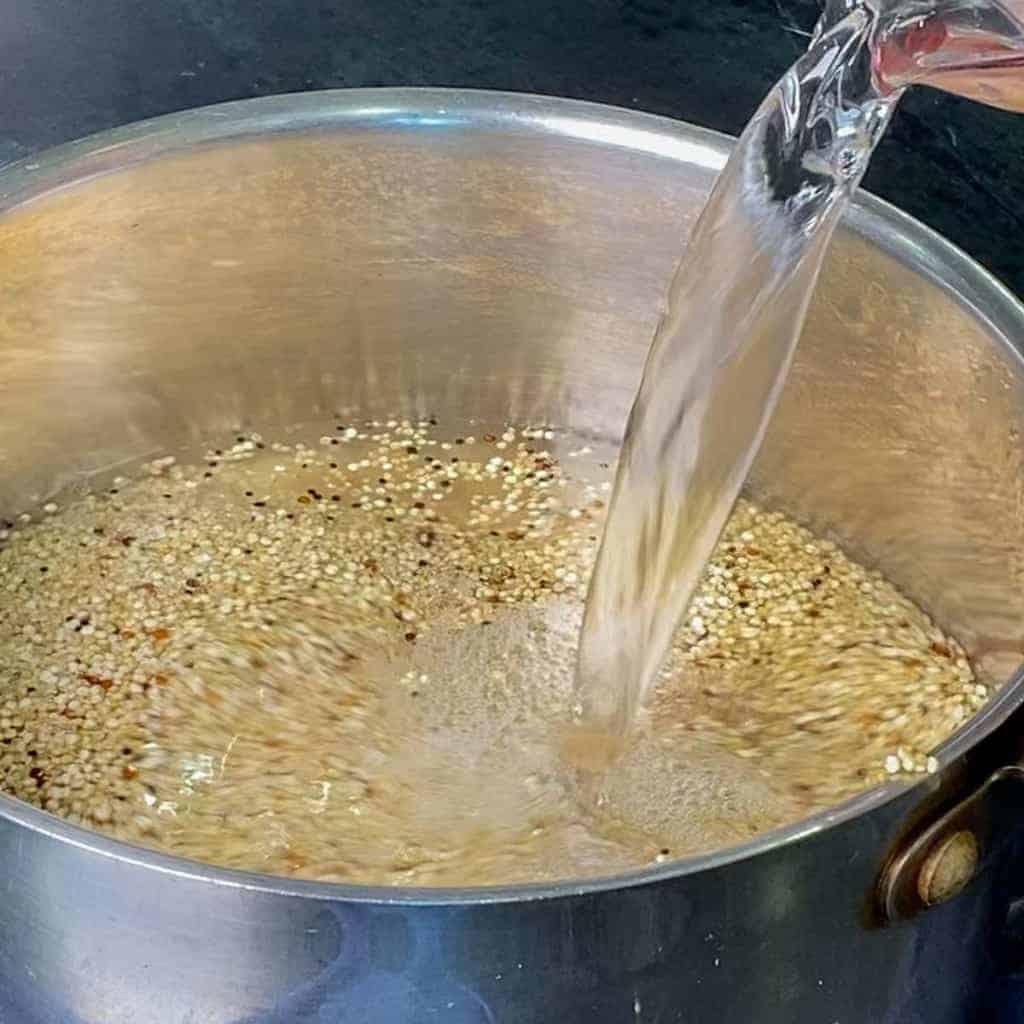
69	67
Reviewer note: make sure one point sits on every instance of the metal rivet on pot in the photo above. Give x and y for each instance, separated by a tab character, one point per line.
947	869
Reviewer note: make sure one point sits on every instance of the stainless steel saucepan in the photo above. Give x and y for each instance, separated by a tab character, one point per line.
502	256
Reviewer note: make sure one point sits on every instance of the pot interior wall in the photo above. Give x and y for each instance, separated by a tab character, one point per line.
478	270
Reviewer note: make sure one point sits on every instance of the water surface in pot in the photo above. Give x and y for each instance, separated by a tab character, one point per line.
347	654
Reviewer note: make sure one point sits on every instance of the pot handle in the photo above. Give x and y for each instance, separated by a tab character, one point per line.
938	861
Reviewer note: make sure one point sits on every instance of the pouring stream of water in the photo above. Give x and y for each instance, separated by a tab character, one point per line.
736	306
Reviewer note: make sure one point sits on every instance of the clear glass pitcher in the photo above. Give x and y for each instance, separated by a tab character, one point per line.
974	48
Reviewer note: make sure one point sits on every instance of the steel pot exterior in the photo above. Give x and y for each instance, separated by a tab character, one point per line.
485	255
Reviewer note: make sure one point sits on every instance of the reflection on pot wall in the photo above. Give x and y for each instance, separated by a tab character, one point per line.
900	433
266	285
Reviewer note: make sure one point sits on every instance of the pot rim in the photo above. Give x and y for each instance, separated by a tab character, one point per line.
412	108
